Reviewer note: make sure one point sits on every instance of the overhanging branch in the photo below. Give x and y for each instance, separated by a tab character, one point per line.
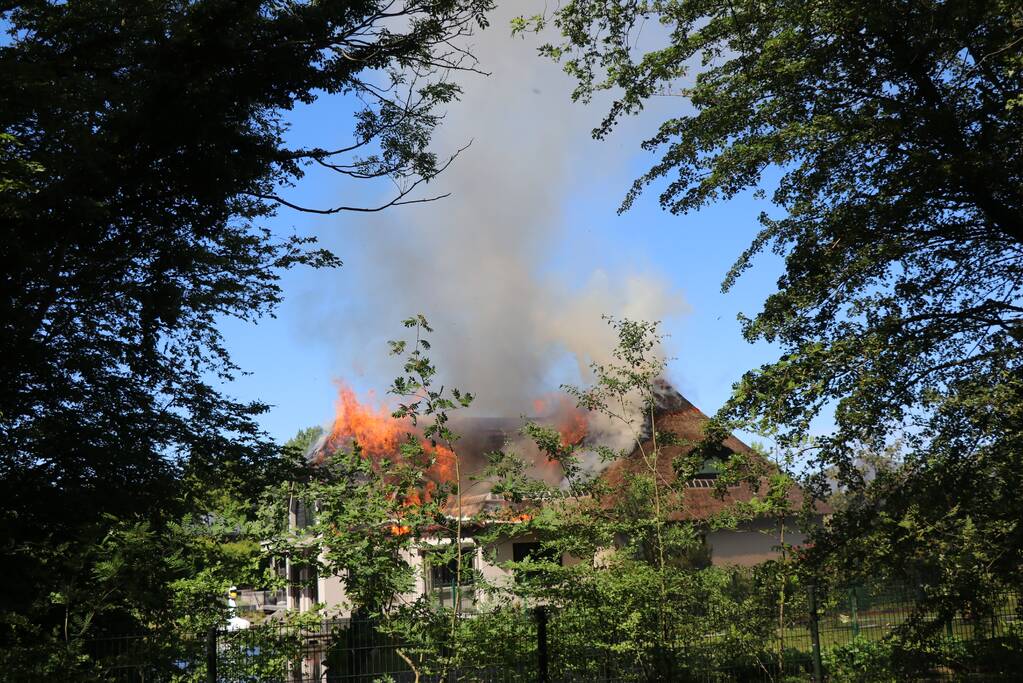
397	200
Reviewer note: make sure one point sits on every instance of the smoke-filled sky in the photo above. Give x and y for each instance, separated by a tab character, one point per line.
515	269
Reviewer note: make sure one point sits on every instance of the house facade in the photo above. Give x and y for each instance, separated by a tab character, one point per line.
749	543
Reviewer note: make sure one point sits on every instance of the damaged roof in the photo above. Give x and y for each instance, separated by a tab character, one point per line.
702	500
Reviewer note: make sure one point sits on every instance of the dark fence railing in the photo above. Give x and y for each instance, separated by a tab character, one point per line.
560	646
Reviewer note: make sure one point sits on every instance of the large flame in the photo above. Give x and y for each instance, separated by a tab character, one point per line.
380	435
375	429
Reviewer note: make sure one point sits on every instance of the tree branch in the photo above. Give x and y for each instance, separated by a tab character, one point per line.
397	200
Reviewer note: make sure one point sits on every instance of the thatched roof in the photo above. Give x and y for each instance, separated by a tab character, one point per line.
686	423
675	415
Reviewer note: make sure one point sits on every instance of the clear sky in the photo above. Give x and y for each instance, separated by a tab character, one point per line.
513	265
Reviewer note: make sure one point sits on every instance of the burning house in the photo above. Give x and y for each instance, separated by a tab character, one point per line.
380	435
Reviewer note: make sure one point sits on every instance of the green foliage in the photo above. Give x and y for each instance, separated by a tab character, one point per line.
861	661
15	172
623	569
889	135
372	521
866	661
142	149
298	446
357	509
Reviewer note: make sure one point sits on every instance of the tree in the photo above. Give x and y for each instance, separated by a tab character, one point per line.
636	593
142	149
369	518
890	135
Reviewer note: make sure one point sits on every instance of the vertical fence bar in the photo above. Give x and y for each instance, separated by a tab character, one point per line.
853	612
542	673
815	634
211	655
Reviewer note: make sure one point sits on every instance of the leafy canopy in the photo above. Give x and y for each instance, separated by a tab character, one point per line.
889	137
142	148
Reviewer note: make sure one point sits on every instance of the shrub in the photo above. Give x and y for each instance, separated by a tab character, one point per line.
861	661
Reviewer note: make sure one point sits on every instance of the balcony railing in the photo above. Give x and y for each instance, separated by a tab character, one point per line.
262	601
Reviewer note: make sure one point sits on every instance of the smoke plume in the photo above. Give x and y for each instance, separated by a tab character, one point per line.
516	298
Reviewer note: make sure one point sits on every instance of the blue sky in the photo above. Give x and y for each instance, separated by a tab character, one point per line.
532	183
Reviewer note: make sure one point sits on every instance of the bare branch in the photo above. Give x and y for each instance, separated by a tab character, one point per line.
397	200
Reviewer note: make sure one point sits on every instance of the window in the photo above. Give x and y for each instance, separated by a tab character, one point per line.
440	572
302	515
706	475
710	469
535	552
443	573
303	583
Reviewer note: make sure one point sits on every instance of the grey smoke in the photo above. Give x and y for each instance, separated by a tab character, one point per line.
508	317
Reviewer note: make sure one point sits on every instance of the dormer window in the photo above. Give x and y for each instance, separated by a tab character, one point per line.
706	475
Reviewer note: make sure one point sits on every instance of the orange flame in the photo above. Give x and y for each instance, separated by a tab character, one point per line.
443	468
380	435
376	431
571	421
573	428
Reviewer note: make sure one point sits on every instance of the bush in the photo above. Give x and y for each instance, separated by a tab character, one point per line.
861	661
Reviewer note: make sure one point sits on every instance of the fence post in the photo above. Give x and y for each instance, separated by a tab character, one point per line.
211	655
854	612
815	635
541	645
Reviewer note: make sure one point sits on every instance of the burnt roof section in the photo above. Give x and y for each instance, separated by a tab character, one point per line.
687	423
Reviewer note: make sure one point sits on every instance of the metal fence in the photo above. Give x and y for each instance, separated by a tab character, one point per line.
363	651
547	646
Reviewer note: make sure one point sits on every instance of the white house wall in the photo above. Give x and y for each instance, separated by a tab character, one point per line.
332	594
748	545
751	544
